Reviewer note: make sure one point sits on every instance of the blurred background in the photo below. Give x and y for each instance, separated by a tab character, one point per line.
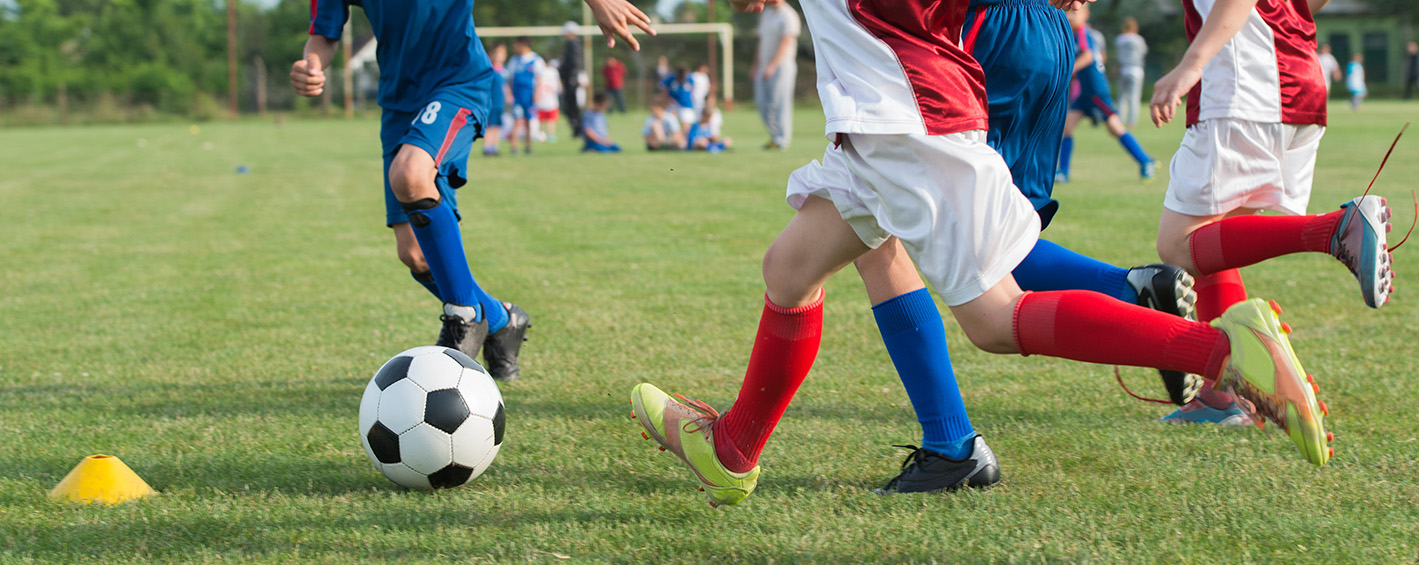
121	61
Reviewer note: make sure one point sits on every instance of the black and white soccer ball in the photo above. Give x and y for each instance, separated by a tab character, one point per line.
431	418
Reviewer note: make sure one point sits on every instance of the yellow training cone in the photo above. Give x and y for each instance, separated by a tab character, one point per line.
103	479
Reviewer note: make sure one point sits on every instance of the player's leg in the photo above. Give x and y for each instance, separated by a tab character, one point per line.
1206	227
1146	166
971	275
912	330
723	451
782	103
1066	145
432	154
409	253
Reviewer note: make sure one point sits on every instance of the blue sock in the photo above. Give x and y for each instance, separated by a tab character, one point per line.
427	279
911	328
1066	150
1050	266
436	228
1134	148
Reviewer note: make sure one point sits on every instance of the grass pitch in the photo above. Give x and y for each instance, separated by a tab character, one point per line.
215	331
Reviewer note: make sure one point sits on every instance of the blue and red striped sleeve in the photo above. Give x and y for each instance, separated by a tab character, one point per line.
327	17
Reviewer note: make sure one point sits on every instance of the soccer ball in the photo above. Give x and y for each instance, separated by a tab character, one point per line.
431	418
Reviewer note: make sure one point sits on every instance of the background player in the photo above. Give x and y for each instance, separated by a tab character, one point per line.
525	71
493	134
909	160
1250	145
435	89
1096	100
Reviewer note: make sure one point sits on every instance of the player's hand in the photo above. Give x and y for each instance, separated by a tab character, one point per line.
1168	93
767	71
615	18
307	77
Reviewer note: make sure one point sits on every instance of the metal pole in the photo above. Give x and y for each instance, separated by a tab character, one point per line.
713	59
231	58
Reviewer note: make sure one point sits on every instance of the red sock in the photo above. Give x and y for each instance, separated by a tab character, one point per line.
1247	240
1218	292
783	353
1095	328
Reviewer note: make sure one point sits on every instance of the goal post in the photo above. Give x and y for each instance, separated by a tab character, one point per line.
725	32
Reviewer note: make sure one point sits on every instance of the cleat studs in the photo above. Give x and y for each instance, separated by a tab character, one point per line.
1311	379
1275	307
1329	437
702	489
662	448
1285	328
1329	452
1323	408
645	435
1315	388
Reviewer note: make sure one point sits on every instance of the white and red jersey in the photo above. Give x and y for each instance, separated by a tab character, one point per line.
1268	72
895	67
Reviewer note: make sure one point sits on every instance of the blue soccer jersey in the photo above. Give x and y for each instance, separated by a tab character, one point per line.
424	47
524	70
681	91
1092	82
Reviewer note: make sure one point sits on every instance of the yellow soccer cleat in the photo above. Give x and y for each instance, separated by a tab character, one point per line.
687	430
1264	370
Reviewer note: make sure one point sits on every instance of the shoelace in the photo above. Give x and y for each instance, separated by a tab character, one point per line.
455	326
1118	375
912	459
1412	194
915	455
708	415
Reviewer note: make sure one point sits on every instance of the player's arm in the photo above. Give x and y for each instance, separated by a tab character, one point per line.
615	18
308	74
1316	5
1226	18
786	48
1083	58
327	22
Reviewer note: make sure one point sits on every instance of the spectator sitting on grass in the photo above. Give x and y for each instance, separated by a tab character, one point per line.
593	126
704	135
662	130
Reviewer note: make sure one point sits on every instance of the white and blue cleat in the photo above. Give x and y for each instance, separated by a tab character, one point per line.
1360	243
1147	171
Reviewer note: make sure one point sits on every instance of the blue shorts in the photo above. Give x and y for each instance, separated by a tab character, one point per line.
445	128
1027	52
522	108
1095	99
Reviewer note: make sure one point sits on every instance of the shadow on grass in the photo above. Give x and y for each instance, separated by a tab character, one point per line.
168	400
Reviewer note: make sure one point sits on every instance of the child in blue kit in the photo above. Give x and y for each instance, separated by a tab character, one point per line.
436	86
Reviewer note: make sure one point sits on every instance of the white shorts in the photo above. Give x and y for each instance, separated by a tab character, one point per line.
686	115
1226	164
949	198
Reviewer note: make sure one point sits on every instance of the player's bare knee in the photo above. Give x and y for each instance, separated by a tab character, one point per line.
412	178
788	284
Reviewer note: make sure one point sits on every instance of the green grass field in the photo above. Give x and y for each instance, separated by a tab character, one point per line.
215	331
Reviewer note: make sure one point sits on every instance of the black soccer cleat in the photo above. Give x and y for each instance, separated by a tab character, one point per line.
501	348
461	333
1168	289
928	471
